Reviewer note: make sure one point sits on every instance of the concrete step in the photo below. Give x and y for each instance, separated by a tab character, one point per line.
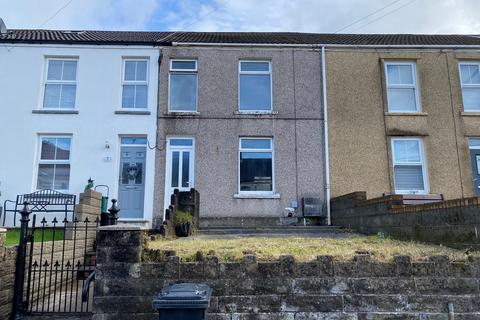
270	230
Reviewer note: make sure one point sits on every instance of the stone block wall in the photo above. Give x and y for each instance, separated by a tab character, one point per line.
452	222
8	258
285	289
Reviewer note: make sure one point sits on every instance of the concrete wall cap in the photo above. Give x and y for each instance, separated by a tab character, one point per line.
122	227
2	230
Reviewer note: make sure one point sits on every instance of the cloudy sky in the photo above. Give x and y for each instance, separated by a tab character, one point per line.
347	16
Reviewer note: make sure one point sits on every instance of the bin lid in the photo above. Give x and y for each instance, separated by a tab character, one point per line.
183	295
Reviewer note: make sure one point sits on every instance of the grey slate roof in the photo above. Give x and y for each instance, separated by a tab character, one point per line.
290	38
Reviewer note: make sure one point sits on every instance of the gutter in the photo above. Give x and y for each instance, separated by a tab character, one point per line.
322	45
325	135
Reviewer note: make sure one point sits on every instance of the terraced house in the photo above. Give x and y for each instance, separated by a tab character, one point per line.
256	122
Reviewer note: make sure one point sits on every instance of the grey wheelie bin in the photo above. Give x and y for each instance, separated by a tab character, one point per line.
184	301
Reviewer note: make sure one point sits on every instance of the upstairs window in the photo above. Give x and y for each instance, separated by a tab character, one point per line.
60	84
182	95
409	166
255	86
256	165
135	84
470	78
402	90
54	163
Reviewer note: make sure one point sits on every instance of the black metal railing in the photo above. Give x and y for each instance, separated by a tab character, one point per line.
55	260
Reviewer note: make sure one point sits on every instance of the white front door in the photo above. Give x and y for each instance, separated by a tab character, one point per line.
179	166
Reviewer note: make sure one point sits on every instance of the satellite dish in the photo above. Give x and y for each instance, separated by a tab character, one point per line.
3	27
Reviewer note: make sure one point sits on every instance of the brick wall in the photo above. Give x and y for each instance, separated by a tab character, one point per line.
8	257
285	289
452	222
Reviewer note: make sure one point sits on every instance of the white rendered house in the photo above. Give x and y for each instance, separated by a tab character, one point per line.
79	105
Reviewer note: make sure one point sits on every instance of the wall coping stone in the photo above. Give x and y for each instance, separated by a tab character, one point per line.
123	227
2	230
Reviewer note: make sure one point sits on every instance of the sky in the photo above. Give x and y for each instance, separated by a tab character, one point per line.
329	16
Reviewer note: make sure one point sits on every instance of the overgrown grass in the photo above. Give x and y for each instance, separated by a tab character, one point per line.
304	249
13	236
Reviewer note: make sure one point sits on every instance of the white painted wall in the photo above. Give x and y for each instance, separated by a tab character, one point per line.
99	76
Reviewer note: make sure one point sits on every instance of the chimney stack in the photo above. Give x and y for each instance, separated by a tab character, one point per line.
3	27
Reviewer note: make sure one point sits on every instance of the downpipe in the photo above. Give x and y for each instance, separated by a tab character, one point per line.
325	134
451	312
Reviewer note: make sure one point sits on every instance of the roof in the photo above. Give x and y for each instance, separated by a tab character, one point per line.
286	38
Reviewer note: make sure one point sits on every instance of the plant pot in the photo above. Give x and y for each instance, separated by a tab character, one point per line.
183	230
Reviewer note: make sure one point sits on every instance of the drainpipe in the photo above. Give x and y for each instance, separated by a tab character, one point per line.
325	134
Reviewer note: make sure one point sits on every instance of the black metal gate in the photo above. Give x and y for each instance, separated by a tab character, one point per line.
56	262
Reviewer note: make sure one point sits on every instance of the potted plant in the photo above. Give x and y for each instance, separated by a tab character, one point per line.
183	222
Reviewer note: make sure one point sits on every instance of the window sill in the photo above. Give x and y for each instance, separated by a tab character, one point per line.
182	113
134	112
409	114
43	111
256	196
256	113
470	114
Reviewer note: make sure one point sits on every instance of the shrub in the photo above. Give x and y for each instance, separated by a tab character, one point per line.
182	217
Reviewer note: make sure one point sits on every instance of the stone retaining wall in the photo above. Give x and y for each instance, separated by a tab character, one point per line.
452	222
285	289
8	257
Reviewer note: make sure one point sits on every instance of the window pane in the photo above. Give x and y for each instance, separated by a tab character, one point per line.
129	70
470	74
48	149
402	100
67	99
407	151
54	70
471	99
63	149
408	177
185	169
141	96
256	171
181	142
400	74
256	143
137	141
139	174
141	71
62	176
183	92
186	65
45	176
69	70
128	96
175	168
255	93
52	96
254	66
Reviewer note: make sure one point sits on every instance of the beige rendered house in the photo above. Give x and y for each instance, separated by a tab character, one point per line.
405	118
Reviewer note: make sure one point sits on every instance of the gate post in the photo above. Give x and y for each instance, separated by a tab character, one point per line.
114	209
20	267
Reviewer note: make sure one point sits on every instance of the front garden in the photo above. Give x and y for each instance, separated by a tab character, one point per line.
303	248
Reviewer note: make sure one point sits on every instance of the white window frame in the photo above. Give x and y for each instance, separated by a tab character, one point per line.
467	85
66	82
185	71
134	82
42	161
269	72
413	86
271	150
422	162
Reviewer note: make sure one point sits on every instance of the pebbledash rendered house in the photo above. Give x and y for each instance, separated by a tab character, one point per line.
240	117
